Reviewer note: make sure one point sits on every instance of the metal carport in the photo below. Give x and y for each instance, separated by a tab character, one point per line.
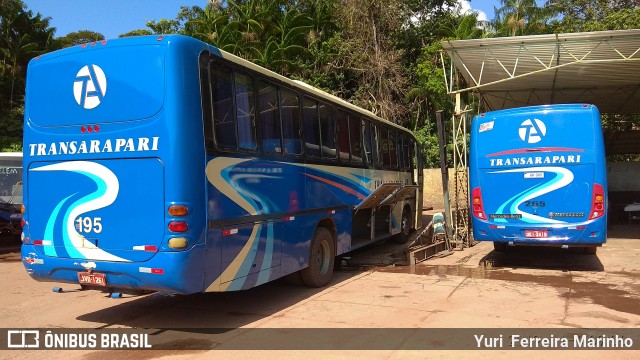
601	68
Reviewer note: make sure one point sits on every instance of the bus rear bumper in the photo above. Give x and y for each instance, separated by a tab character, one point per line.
574	235
171	272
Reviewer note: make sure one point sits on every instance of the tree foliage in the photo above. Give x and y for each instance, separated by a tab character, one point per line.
381	55
80	37
595	15
23	35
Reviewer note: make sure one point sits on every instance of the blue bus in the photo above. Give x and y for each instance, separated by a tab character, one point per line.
162	163
538	177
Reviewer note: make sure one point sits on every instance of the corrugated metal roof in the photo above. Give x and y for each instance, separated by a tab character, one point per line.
601	68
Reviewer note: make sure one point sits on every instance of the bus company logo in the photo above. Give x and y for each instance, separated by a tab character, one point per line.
532	131
90	86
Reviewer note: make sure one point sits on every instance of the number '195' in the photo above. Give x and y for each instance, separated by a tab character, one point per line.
88	224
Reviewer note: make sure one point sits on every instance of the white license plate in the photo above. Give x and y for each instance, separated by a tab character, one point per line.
92	279
536	233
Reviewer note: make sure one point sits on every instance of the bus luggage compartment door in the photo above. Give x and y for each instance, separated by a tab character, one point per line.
110	210
537	195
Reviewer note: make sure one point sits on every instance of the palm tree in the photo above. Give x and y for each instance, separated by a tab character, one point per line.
521	17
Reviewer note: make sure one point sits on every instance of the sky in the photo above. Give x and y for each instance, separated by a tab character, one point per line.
114	17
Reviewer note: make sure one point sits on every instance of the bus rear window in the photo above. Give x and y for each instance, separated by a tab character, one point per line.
534	130
107	85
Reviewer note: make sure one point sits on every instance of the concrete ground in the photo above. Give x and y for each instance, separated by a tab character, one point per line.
474	288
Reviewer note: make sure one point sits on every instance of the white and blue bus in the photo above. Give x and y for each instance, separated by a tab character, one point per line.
162	163
10	193
538	177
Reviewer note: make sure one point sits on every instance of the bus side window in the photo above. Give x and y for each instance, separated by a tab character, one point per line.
311	128
384	137
245	111
412	155
342	121
403	152
375	144
207	108
366	140
355	139
223	117
393	153
269	118
327	132
290	110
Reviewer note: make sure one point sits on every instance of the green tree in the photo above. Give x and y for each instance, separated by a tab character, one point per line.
80	37
522	17
23	35
595	15
138	32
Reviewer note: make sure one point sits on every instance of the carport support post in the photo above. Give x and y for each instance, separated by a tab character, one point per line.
445	173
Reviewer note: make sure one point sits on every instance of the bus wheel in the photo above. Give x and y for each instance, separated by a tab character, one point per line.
320	268
499	246
405	228
590	250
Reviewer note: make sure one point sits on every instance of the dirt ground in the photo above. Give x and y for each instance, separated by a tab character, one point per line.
476	288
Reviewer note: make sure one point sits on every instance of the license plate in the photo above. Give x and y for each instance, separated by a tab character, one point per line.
92	279
536	233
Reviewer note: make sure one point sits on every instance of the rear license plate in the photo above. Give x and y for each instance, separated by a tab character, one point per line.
536	233
92	279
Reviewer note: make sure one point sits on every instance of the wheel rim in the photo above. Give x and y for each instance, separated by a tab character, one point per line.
322	257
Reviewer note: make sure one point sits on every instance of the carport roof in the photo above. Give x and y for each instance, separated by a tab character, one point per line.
601	68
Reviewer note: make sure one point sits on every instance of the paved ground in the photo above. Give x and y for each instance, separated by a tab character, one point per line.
474	288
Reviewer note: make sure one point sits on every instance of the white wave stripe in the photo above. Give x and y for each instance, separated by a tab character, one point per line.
566	179
86	248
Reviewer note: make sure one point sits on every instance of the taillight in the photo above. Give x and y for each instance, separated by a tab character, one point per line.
597	202
476	202
178	210
178	226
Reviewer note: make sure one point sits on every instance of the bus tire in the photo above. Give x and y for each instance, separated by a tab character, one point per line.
499	246
405	228
590	250
321	259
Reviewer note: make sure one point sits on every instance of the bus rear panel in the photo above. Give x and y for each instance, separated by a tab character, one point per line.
100	168
538	177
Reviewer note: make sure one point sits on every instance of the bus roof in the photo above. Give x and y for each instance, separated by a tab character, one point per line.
168	40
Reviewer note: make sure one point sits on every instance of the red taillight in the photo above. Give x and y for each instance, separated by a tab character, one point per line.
178	226
476	202
597	202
